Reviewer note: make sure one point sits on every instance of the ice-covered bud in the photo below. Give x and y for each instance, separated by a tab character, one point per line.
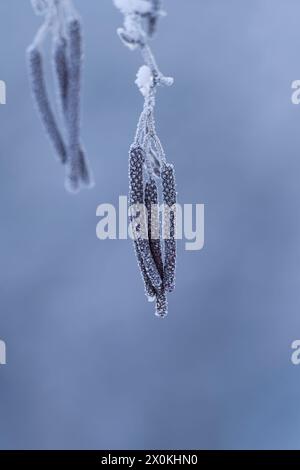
144	80
166	81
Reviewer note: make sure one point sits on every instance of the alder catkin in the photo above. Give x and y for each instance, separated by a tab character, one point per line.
75	59
61	71
40	95
152	206
62	22
169	199
157	265
136	198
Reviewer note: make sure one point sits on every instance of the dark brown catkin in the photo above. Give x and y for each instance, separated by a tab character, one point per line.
136	198
61	71
61	68
136	181
74	39
40	95
169	199
152	207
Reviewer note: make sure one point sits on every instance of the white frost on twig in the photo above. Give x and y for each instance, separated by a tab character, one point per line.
149	77
138	27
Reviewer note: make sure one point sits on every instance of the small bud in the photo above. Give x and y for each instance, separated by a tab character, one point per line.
144	80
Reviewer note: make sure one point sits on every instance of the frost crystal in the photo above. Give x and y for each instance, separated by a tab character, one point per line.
144	80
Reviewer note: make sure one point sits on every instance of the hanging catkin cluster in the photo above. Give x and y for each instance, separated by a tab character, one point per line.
148	169
64	25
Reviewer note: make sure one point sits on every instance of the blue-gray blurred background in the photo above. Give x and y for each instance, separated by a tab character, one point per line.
89	365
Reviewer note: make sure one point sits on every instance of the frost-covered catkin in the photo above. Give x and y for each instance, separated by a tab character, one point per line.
61	21
136	175
140	21
75	59
39	91
61	71
136	200
152	206
169	199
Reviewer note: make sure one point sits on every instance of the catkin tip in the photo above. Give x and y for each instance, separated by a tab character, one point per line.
74	26
71	189
33	55
72	184
30	49
161	314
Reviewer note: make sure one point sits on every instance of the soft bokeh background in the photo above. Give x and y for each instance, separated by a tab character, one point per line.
89	366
